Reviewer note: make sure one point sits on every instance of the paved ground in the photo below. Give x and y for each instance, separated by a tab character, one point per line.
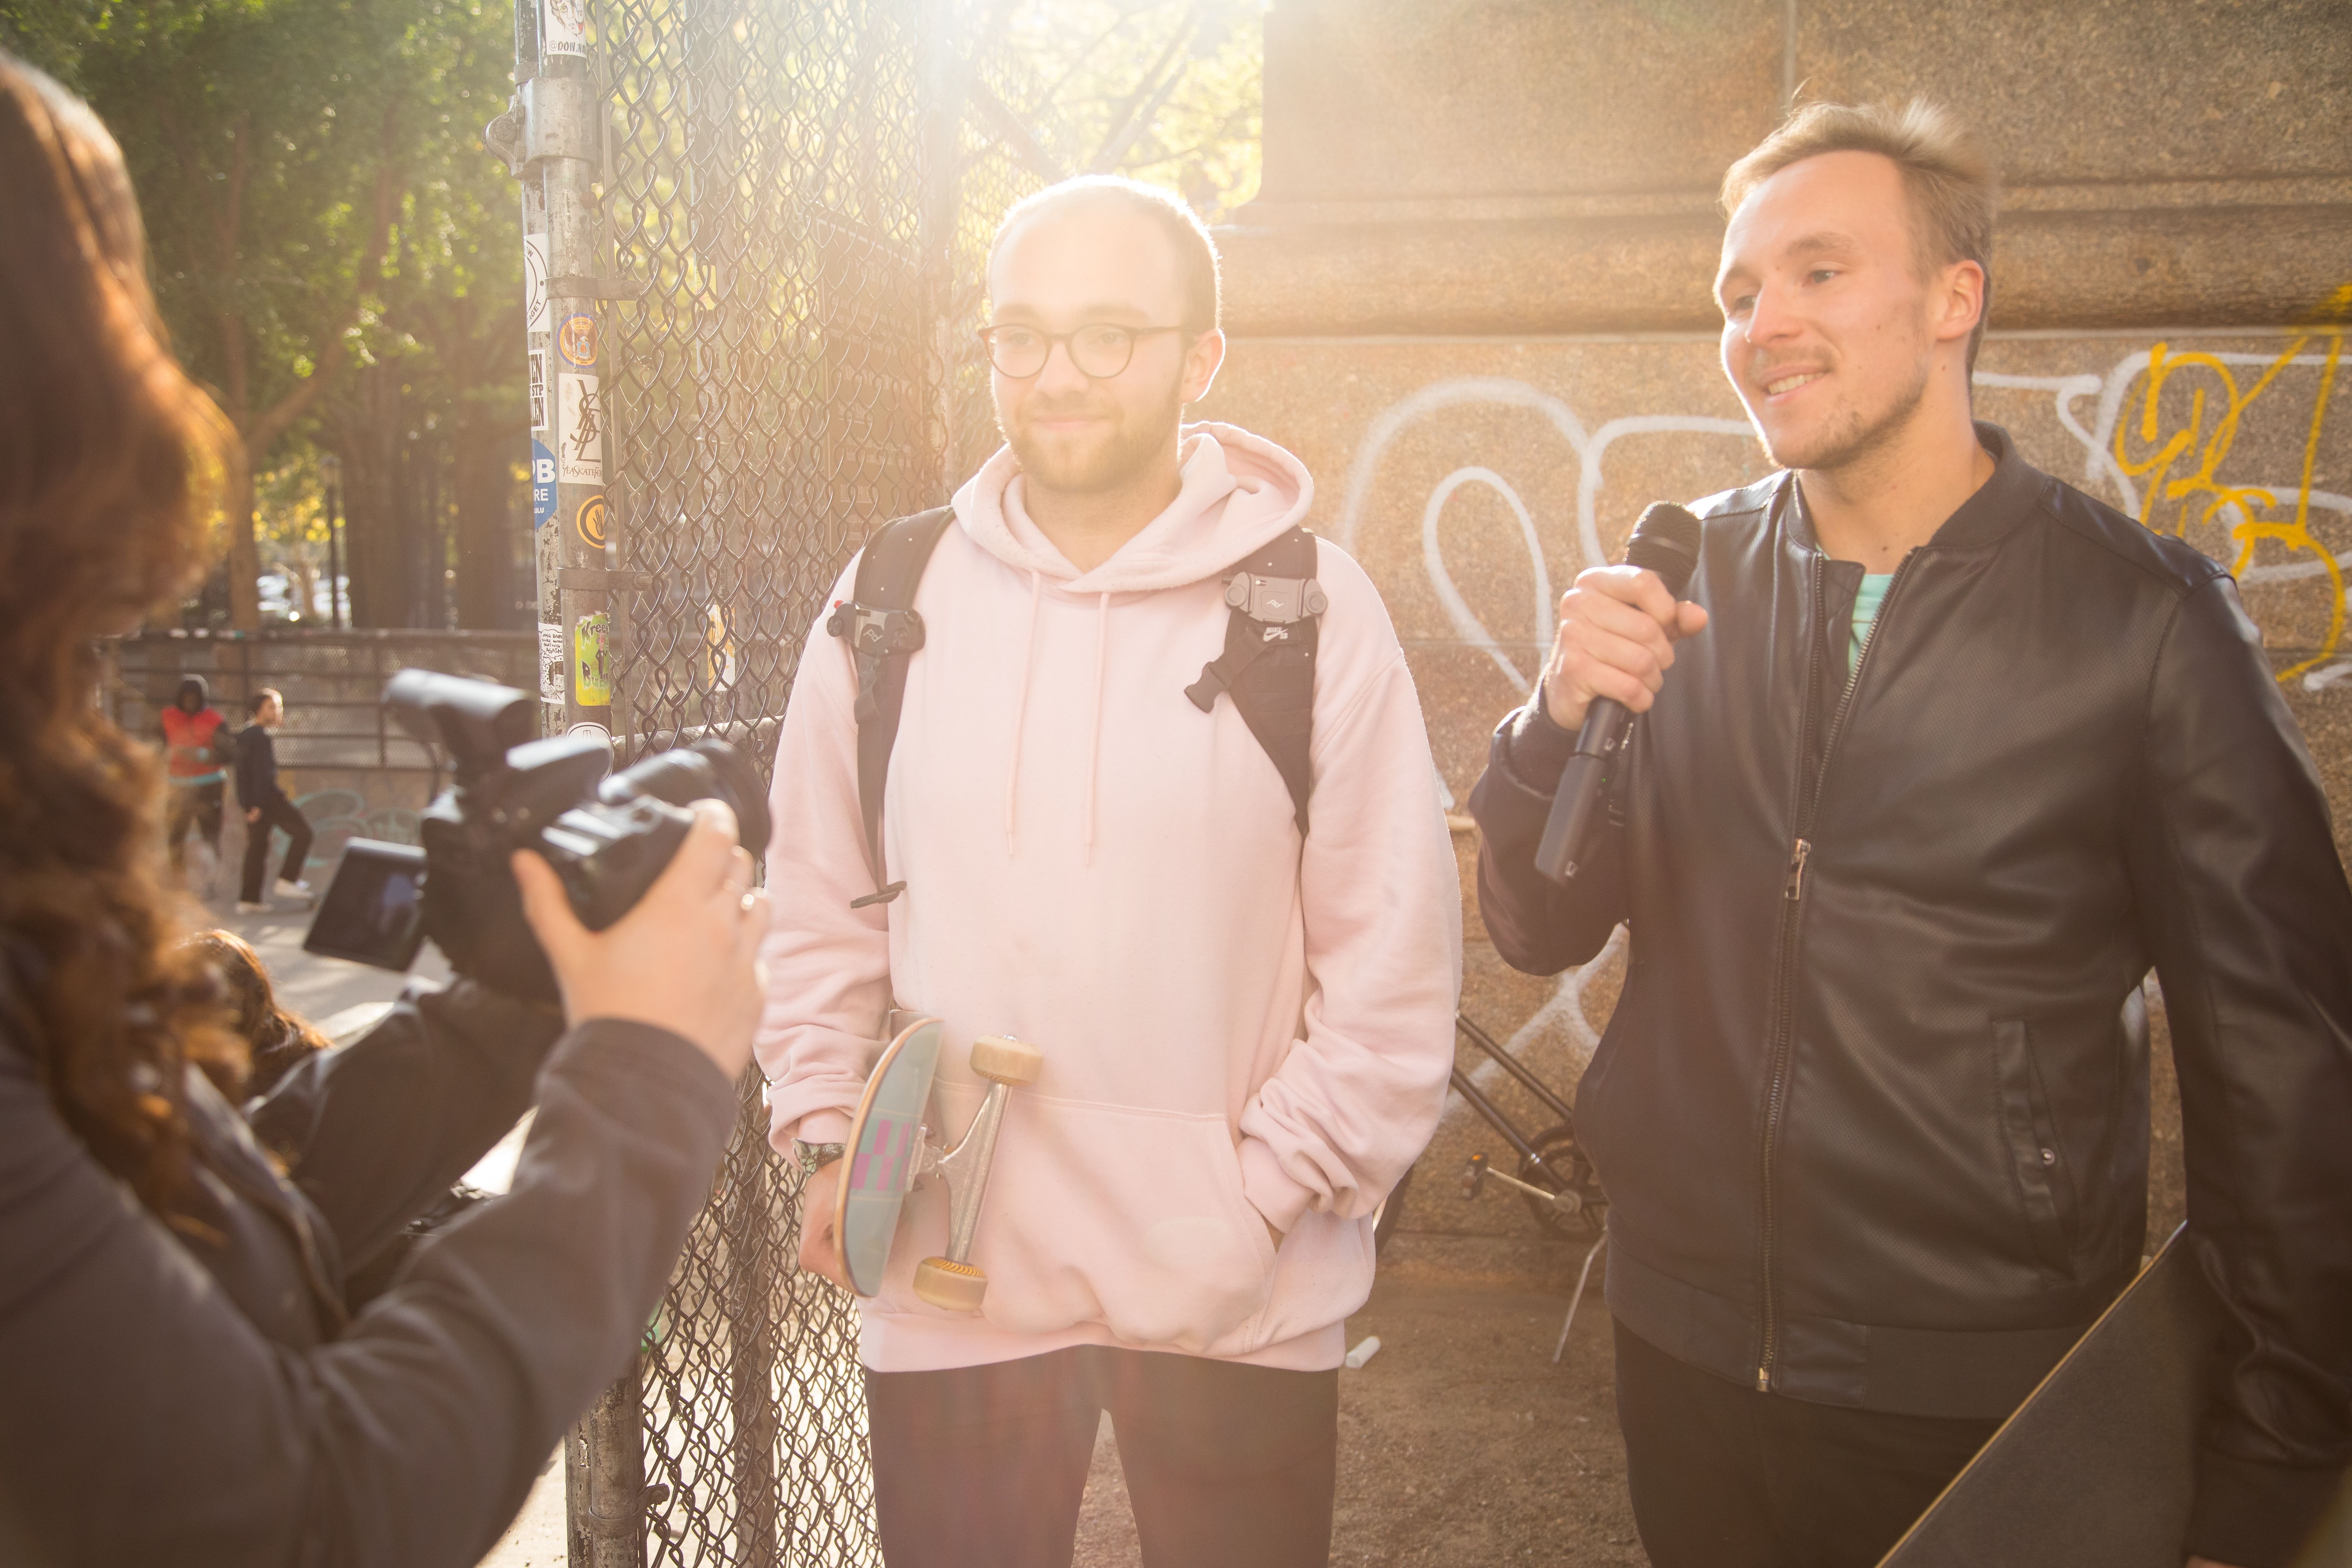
1460	1442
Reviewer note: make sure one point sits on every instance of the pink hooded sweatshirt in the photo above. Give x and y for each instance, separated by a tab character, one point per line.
1235	1023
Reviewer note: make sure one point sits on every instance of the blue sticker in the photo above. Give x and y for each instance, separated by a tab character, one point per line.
543	486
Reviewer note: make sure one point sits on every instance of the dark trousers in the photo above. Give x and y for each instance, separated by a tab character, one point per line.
280	812
1724	1477
984	1466
191	805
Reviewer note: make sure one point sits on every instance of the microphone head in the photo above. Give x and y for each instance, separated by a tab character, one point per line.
1666	541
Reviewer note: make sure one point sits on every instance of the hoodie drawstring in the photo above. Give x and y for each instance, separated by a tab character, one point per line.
1094	723
1020	706
1094	716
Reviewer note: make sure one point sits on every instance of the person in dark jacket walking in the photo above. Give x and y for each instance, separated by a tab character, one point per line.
1940	759
180	1380
266	806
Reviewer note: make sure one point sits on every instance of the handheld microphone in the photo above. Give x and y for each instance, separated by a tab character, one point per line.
1666	541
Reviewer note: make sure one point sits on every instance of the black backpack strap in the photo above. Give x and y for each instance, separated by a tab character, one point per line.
879	621
1269	662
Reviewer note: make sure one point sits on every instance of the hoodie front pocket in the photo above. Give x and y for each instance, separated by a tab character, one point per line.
1133	1219
2037	1164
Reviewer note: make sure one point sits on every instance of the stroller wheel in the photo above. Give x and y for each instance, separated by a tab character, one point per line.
1564	1162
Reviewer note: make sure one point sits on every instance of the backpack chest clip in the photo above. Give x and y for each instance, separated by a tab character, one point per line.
875	634
1274	603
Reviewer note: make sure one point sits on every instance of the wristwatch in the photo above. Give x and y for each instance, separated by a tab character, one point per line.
814	1155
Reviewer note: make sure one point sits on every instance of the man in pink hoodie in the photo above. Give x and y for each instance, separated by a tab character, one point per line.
1247	1028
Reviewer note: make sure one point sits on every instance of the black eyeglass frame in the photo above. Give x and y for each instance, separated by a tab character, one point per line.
987	336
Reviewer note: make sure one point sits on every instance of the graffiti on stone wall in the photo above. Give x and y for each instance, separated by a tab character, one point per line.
2172	468
2159	433
2155	446
339	816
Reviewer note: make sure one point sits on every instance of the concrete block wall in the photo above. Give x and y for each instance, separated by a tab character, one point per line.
351	770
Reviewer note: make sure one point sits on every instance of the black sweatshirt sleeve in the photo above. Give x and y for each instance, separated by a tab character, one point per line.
1538	928
146	1420
374	1132
2244	904
255	772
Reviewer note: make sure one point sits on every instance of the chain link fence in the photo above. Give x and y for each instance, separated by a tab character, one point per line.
807	194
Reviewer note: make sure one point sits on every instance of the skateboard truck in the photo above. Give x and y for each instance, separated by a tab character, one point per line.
891	1147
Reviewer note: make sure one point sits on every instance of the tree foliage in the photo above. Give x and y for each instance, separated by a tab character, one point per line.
336	253
318	207
1169	91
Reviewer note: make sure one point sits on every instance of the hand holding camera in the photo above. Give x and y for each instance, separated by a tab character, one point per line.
637	887
686	958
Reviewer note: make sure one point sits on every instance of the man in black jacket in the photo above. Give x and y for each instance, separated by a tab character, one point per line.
266	806
1950	757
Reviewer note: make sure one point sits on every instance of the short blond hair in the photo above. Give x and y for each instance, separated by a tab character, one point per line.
1196	253
1948	178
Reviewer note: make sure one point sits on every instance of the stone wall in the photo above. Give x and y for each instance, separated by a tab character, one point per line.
349	770
1474	298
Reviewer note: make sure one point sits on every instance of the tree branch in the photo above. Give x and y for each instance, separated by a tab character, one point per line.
268	425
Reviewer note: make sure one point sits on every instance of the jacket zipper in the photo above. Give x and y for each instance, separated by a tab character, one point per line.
1793	901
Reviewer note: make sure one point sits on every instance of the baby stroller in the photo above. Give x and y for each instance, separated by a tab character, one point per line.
1554	1179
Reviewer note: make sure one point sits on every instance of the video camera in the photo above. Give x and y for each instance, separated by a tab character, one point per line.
607	840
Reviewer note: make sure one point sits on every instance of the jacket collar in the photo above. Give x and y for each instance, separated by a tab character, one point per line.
1998	507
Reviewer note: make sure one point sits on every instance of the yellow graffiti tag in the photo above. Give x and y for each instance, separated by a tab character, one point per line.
2185	464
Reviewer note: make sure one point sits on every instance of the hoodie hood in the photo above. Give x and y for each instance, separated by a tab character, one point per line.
1235	493
1239	492
192	684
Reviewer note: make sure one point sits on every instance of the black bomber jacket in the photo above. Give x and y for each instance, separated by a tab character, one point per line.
1871	1112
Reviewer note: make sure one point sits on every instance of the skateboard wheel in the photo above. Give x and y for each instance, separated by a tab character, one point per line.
949	1286
1001	1059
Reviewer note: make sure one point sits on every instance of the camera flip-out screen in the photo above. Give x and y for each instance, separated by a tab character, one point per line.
373	910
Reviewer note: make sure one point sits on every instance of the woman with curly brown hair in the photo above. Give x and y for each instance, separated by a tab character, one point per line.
181	1380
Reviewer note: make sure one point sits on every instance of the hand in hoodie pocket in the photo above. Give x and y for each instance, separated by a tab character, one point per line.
1134	1219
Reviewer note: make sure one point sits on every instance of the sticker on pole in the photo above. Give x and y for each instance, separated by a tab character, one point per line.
564	28
579	430
551	661
543	486
589	521
537	391
591	637
534	283
576	341
718	651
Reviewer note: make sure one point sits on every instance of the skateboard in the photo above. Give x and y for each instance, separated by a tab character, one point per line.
891	1147
2098	1467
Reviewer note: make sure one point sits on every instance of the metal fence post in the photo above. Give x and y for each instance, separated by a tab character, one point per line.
552	136
751	1246
604	1479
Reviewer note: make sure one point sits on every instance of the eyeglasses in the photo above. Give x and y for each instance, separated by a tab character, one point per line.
1100	350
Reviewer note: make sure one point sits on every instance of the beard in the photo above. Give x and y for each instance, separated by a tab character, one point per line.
1131	447
1850	434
